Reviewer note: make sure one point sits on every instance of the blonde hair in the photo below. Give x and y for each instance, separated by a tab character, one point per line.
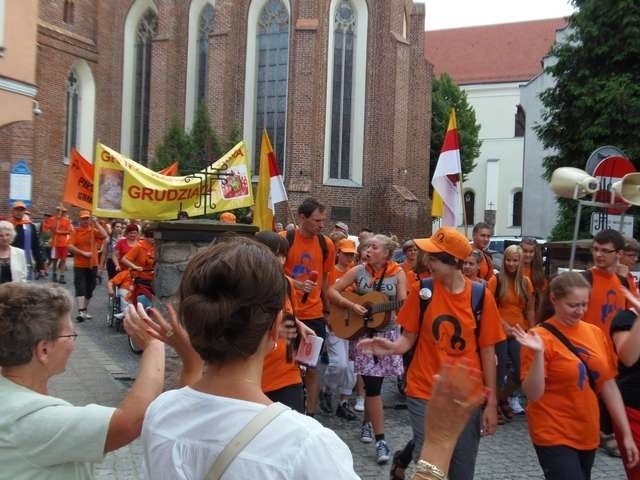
388	243
517	279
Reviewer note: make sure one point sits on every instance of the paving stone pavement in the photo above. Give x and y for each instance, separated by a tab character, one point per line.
95	364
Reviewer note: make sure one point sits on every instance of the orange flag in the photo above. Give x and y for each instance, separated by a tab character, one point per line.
78	188
170	171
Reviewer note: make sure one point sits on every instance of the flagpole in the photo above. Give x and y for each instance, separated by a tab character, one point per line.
464	210
293	218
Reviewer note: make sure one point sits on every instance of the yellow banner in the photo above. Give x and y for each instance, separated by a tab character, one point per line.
126	189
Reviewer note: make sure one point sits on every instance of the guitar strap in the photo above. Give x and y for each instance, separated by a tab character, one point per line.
370	331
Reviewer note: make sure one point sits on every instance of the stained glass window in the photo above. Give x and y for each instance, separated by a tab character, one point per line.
342	90
272	78
144	39
72	104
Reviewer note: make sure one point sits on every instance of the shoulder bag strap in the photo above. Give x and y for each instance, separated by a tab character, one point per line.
567	343
244	437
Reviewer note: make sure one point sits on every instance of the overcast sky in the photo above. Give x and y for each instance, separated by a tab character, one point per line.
441	14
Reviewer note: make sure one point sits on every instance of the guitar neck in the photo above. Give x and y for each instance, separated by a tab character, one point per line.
385	307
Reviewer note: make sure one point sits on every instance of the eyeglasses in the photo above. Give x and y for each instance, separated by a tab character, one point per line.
630	254
604	251
71	335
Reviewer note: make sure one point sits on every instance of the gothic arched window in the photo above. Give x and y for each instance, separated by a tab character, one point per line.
72	117
516	220
470	206
342	85
271	78
346	88
145	32
205	27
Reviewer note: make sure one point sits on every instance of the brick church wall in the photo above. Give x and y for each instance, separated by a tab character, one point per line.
393	194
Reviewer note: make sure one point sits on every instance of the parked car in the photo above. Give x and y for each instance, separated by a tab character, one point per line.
498	244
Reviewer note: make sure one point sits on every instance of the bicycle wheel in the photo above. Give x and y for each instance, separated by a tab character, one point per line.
117	318
109	317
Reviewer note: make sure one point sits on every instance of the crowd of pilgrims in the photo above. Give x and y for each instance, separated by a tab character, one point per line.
469	346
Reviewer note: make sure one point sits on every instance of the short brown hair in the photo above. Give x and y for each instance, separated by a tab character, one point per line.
29	313
230	295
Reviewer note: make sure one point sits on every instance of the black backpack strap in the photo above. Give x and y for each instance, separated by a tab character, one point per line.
565	341
424	283
477	300
588	276
323	247
623	281
291	236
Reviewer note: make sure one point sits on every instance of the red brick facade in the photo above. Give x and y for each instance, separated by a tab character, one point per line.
393	196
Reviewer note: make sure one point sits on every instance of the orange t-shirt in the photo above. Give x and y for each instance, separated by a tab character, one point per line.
512	308
486	267
62	228
276	372
305	255
143	255
606	299
451	316
122	279
567	411
336	273
82	238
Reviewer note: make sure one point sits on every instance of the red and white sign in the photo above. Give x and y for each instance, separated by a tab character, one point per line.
607	172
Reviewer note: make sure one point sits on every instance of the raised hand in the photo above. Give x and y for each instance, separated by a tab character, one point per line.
528	339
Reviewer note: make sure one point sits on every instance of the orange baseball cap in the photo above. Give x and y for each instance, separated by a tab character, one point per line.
346	246
84	214
448	240
18	204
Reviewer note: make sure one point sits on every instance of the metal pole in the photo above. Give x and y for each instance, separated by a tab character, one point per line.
575	236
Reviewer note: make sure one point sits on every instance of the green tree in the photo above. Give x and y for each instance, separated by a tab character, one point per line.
205	144
233	137
445	96
596	98
175	146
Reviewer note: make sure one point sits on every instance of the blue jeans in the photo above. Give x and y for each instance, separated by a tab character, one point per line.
508	353
463	461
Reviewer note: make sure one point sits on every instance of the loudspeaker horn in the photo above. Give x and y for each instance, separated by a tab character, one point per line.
628	189
570	182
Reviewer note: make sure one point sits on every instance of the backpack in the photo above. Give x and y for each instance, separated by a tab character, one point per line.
477	302
291	236
588	275
477	299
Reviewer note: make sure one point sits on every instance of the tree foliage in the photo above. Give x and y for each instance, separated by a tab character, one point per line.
445	96
596	98
175	146
196	149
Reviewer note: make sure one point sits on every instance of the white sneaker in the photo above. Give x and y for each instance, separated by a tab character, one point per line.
119	316
383	452
359	406
366	433
514	403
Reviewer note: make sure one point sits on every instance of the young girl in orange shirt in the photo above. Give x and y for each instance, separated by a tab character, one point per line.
514	296
563	388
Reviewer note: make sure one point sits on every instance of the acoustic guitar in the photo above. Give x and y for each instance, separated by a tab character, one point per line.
347	324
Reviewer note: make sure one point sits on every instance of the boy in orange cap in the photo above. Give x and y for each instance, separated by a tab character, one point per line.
448	328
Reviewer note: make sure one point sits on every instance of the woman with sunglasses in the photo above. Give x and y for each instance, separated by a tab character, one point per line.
43	436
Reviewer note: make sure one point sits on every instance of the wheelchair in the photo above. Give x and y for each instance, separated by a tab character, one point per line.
114	315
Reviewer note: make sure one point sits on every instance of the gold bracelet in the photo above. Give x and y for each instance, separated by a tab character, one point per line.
430	470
